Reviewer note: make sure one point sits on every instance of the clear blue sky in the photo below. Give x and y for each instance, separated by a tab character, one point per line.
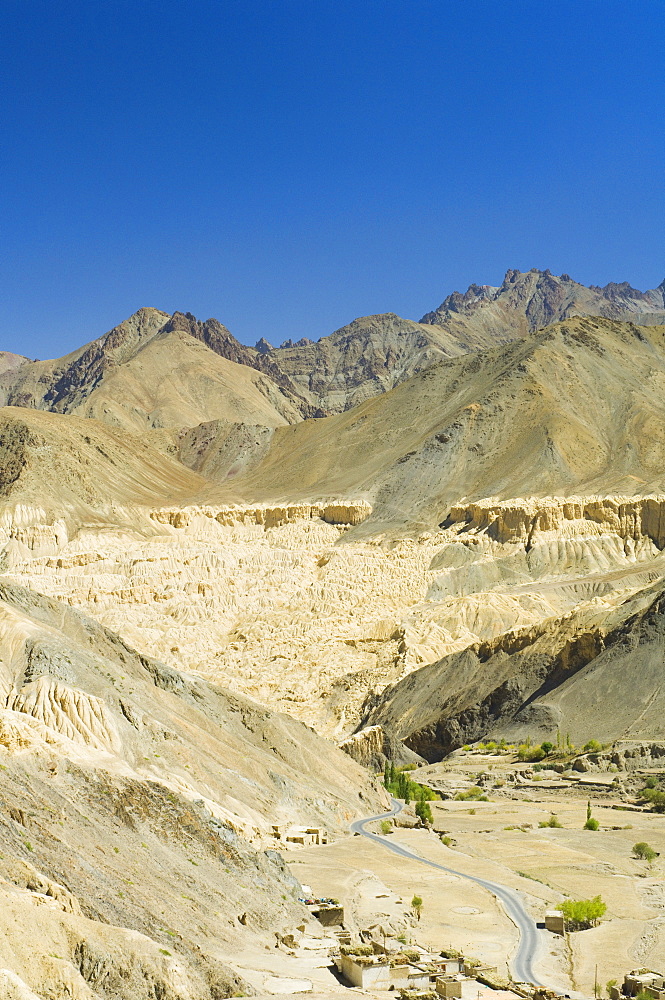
287	165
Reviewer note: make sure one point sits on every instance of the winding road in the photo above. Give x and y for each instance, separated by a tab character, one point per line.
522	962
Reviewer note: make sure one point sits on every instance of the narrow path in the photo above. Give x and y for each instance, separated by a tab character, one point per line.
522	962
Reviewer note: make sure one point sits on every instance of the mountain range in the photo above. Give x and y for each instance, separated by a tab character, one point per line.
152	370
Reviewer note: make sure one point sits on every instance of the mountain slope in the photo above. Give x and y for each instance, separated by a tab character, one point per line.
575	408
369	356
107	378
64	462
375	353
155	371
593	674
136	810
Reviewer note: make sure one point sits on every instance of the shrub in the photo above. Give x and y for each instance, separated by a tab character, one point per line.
591	823
592	746
643	852
386	826
651	782
553	821
473	794
526	752
655	798
417	905
357	949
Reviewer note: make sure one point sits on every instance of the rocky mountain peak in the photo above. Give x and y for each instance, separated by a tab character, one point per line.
528	300
213	334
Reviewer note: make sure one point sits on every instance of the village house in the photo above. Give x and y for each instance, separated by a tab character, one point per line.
370	967
642	981
305	836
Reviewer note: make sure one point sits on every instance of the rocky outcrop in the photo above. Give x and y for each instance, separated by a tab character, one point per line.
628	756
373	746
525	521
344	513
364	359
530	300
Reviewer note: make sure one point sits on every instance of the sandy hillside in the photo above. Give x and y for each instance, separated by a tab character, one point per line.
136	806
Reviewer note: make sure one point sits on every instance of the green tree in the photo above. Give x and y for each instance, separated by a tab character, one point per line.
417	906
386	826
643	852
424	812
591	823
547	747
609	986
655	798
582	913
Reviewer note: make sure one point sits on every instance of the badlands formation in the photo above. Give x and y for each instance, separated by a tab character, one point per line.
220	563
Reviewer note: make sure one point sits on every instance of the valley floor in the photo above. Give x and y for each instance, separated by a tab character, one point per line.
501	840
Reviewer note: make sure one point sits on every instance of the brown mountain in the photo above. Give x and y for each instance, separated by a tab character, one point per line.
148	372
574	408
375	353
157	371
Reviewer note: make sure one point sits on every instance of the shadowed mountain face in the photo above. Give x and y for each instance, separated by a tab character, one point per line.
590	672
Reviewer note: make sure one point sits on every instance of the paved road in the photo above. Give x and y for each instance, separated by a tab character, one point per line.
521	965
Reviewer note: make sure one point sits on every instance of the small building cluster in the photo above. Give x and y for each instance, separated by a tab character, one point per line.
372	967
305	836
640	981
417	974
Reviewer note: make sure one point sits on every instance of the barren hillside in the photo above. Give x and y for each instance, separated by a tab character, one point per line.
375	353
575	408
137	805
